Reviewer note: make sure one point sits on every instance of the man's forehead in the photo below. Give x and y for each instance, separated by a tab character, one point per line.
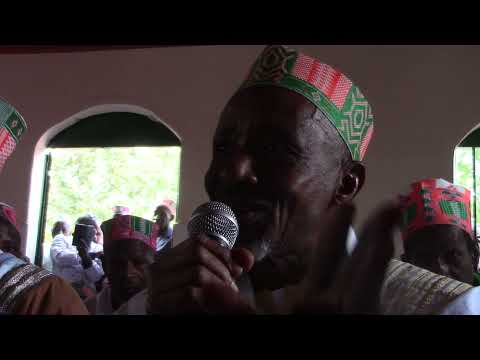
272	107
437	237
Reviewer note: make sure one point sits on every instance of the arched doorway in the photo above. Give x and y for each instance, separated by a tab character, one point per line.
466	171
105	159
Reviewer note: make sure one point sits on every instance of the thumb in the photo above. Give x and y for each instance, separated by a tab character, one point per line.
222	300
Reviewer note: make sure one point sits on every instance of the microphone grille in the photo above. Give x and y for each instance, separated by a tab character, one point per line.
217	220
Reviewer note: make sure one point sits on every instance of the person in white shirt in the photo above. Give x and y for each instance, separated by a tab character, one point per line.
74	263
164	215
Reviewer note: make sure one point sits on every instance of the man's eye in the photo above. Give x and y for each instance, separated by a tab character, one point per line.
284	150
220	147
270	148
456	253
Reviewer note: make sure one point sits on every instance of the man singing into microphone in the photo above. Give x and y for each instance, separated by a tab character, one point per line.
292	137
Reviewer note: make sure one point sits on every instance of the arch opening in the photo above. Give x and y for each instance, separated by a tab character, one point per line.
95	160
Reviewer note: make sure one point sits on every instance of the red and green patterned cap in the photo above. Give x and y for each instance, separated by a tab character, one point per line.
328	89
12	127
436	201
8	213
130	227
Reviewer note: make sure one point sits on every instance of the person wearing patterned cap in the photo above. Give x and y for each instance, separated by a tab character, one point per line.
26	289
9	235
293	136
437	230
129	245
441	254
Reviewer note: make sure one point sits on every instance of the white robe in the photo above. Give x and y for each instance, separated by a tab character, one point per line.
134	306
68	264
466	304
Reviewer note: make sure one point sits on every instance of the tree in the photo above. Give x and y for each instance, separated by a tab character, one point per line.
94	180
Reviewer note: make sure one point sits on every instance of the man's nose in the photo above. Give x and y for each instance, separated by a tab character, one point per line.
241	169
132	270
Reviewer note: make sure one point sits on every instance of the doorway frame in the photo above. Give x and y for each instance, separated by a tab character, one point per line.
39	158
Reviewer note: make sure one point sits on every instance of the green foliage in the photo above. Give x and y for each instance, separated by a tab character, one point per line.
94	180
463	173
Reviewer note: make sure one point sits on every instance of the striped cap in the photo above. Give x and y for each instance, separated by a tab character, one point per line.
9	214
436	201
130	227
328	89
12	127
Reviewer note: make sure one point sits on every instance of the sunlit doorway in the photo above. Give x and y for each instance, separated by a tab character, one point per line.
107	160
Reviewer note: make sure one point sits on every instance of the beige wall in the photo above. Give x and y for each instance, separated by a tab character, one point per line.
424	100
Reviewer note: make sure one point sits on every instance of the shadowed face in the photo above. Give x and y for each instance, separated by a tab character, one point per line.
9	238
268	151
443	249
125	261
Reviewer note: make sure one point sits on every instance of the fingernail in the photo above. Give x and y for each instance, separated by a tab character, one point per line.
234	286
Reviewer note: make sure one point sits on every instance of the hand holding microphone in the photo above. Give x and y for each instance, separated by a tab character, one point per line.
198	276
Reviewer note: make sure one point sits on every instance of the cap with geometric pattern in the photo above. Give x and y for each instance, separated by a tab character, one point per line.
130	227
12	127
8	213
120	210
436	201
328	89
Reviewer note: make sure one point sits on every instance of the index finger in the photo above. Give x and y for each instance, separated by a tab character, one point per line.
363	278
330	250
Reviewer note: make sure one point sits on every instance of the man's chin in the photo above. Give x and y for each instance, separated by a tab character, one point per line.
127	294
255	241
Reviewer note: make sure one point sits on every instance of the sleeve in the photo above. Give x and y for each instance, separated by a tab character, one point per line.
467	303
62	255
95	272
95	248
53	296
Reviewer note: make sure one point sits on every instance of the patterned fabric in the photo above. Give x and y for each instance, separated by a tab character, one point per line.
436	201
410	290
130	227
12	127
121	210
17	282
328	89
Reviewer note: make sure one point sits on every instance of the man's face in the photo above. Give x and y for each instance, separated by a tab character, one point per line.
9	242
442	249
125	261
98	234
268	152
67	230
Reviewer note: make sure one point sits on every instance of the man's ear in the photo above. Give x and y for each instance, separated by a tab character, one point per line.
352	181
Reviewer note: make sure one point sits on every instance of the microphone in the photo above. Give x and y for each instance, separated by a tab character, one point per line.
216	220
